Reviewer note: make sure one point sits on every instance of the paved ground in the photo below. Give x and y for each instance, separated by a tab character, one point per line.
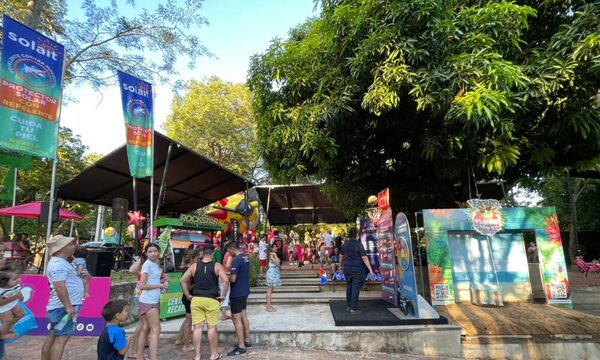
85	348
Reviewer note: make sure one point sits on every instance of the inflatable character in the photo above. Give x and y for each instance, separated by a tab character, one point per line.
236	208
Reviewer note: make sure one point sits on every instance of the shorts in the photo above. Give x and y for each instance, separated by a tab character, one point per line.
238	304
205	309
263	263
55	315
143	308
186	304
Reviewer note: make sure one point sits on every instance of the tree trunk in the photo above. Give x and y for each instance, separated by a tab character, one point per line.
575	188
34	12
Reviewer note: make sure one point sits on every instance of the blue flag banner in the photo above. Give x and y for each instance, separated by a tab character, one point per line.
31	71
136	96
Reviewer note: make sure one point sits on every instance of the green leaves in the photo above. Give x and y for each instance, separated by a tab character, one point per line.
215	119
409	93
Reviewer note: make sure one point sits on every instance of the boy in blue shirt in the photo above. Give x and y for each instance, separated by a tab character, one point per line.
112	344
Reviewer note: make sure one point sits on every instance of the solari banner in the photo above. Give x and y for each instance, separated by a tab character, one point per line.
136	96
31	71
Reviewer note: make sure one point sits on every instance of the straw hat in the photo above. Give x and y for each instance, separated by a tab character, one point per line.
58	242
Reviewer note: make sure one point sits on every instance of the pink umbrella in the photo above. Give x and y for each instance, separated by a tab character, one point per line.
33	210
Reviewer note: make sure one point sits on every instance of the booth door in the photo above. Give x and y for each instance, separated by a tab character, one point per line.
473	264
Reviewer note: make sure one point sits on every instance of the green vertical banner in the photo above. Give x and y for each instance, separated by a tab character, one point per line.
31	71
136	96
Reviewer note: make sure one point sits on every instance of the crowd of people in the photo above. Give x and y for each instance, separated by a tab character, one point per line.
211	287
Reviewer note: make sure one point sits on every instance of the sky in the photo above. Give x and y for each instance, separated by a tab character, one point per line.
237	29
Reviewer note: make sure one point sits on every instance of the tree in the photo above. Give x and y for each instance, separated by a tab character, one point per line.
214	118
34	183
106	41
419	94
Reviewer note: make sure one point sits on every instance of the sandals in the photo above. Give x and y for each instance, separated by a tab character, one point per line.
219	356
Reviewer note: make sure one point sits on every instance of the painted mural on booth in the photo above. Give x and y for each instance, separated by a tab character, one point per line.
543	221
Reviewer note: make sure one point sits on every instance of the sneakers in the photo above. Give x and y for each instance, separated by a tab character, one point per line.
355	312
247	344
236	351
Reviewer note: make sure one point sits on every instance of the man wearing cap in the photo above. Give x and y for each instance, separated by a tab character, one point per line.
66	296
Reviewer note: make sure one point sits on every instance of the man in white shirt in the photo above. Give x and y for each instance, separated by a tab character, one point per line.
262	252
66	296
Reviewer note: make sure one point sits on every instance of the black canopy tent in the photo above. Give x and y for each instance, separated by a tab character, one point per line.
192	181
298	204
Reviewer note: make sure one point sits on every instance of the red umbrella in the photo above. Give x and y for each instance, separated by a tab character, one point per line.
33	210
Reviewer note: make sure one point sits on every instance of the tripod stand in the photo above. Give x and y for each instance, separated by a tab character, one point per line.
121	252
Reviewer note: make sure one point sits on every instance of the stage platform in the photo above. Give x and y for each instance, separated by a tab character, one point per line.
377	313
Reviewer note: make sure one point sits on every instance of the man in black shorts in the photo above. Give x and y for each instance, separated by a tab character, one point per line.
240	289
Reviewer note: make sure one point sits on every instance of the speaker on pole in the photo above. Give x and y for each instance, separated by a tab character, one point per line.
44	211
120	207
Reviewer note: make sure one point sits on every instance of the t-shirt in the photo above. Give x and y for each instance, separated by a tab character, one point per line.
153	270
60	269
353	252
81	261
241	268
262	250
328	240
110	342
7	293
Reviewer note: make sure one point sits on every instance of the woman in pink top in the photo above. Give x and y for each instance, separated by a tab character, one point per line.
300	254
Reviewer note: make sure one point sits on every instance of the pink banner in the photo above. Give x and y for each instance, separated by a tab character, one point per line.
36	292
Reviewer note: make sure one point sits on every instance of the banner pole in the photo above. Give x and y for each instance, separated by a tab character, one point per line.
151	215
54	161
14	202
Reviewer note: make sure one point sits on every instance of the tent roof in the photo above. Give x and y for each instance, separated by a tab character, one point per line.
298	204
33	210
192	181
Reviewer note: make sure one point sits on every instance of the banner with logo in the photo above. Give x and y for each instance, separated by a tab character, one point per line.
136	96
170	301
385	237
31	71
36	293
405	268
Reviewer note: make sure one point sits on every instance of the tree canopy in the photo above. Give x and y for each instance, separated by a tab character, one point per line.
104	39
214	118
418	94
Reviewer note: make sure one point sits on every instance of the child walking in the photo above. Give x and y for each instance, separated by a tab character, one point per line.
273	277
10	288
80	264
112	344
150	284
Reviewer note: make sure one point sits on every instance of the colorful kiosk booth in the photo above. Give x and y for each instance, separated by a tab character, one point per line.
188	229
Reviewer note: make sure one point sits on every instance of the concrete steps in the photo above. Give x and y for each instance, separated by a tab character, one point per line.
299	275
288	289
321	297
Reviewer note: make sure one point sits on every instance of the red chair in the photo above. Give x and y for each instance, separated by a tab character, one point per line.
587	268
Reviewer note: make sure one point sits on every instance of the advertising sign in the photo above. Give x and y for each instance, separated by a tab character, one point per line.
368	238
405	268
387	268
136	97
170	302
31	71
385	237
36	293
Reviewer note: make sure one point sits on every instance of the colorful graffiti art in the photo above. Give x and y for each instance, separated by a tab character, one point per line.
444	228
